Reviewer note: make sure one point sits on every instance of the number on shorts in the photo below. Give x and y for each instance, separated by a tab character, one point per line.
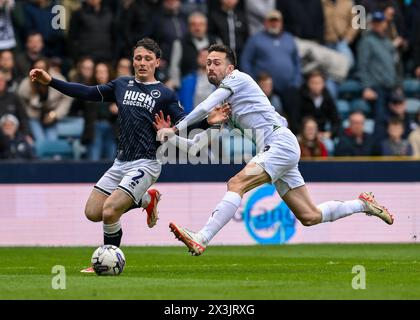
135	180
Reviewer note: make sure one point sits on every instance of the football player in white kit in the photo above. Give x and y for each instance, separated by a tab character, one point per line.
276	163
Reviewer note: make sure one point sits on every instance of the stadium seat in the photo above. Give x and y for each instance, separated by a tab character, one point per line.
349	89
413	105
361	105
412	88
56	150
343	108
70	127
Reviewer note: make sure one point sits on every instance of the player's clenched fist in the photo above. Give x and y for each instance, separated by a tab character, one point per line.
40	76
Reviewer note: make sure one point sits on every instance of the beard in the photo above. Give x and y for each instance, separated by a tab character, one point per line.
213	80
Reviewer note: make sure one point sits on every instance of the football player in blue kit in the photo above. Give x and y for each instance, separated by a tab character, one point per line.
126	184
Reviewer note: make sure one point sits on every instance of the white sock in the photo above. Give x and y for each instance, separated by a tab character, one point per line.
221	215
333	210
112	228
145	200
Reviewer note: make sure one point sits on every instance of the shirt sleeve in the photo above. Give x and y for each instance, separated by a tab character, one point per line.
177	114
204	108
81	91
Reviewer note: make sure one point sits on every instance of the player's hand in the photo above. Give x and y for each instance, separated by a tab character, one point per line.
220	114
40	76
165	133
160	121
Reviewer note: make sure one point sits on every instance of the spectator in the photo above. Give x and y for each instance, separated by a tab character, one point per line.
34	48
256	11
195	87
377	68
398	110
316	101
10	104
395	145
230	25
7	66
168	25
354	141
124	68
100	133
7	34
416	51
13	144
265	81
303	18
274	51
92	32
44	105
132	22
84	74
309	142
38	17
185	51
339	33
414	137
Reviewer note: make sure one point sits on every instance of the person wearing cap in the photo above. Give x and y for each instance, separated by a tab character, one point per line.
397	109
376	66
13	144
274	51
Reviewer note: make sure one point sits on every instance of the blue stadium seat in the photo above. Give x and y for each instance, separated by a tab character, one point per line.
412	88
361	105
70	127
57	150
350	89
413	105
343	108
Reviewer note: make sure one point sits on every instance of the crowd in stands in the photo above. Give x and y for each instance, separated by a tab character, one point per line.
348	87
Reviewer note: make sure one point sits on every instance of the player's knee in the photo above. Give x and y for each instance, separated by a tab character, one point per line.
234	185
109	212
309	220
93	214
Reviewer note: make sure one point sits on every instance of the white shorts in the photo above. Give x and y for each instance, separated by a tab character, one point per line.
280	160
132	177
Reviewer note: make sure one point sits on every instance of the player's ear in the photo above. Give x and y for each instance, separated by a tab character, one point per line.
157	62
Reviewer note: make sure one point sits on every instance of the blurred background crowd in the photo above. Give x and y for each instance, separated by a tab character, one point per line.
348	87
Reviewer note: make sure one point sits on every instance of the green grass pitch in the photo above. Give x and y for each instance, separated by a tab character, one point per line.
223	272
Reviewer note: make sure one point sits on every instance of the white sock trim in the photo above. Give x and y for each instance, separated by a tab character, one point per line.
112	228
233	197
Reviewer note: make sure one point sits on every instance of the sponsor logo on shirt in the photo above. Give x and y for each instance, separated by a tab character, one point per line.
139	99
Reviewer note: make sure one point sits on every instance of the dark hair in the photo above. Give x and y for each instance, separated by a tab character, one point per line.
149	44
396	121
315	73
230	54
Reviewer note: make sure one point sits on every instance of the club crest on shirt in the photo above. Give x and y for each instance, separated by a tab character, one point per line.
155	93
130	83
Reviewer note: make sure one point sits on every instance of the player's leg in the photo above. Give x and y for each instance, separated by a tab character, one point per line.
296	195
114	207
139	176
248	178
94	205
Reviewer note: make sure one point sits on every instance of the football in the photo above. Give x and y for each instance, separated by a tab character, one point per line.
108	260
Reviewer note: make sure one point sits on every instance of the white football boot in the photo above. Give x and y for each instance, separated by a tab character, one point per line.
373	208
192	240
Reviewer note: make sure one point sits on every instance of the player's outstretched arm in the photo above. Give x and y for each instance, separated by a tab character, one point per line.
182	143
204	108
75	90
